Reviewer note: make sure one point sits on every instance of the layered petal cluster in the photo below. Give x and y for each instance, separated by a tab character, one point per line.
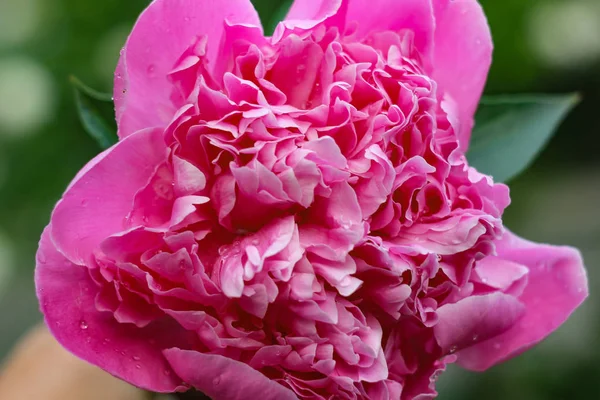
293	217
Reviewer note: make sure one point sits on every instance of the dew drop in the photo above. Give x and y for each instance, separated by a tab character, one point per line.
138	366
167	372
151	69
475	337
217	381
136	358
83	202
42	258
255	242
83	324
453	349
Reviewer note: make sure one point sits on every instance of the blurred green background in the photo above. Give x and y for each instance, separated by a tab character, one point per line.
541	46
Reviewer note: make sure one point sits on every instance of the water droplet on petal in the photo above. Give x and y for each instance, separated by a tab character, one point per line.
217	381
136	358
83	324
475	337
151	69
138	366
167	372
453	349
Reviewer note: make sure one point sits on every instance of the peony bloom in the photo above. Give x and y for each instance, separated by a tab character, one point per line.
293	217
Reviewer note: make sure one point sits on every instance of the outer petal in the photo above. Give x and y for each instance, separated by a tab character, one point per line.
223	378
161	35
462	58
557	285
97	201
67	293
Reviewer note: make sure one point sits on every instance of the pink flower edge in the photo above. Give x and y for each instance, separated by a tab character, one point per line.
306	258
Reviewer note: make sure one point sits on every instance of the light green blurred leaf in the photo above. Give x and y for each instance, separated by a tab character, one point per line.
510	131
90	104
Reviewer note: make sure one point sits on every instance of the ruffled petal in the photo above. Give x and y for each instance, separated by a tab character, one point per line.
395	15
557	285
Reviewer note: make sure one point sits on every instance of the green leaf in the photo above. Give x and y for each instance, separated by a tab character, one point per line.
510	131
96	113
278	16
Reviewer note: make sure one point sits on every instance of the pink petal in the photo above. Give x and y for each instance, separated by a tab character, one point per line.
557	285
223	378
98	200
475	319
501	274
161	35
396	16
462	58
306	14
66	294
188	178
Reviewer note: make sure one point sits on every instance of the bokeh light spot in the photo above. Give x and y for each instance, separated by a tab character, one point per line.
27	96
566	34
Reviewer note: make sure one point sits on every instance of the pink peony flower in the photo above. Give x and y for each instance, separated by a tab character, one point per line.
293	217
